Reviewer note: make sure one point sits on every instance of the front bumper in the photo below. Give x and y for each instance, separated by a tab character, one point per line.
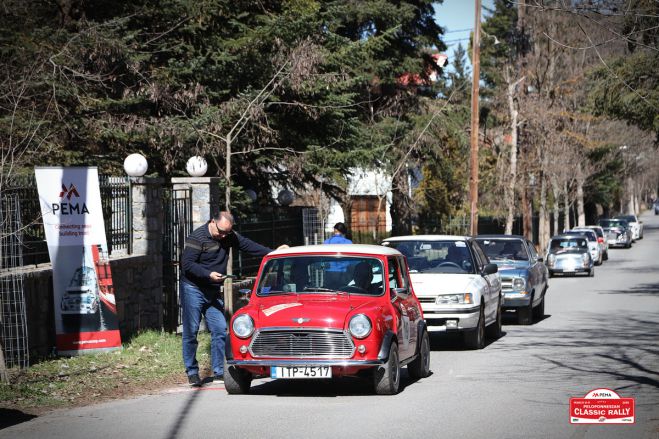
465	318
515	300
303	362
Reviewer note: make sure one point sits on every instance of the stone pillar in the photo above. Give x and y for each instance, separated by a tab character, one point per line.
205	196
148	215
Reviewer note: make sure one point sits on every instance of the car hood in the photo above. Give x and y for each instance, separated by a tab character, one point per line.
310	310
432	284
569	251
511	268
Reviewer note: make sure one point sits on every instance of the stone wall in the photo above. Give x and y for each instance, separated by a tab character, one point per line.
138	293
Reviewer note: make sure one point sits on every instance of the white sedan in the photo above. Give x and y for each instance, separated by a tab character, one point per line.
459	289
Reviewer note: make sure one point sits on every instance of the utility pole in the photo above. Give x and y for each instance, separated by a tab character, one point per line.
473	177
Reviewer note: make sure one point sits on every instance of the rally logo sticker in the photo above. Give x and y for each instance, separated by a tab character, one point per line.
602	406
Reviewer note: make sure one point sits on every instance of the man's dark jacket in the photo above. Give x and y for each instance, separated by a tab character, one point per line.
203	254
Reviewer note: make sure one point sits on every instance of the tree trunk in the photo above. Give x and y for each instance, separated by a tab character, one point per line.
509	195
400	206
527	220
566	208
543	217
581	214
557	207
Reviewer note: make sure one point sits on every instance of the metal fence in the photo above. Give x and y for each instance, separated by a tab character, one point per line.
116	205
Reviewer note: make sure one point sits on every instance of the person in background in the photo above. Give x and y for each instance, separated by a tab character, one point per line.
339	235
204	261
337	273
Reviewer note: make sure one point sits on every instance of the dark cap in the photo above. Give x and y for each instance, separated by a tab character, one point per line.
341	228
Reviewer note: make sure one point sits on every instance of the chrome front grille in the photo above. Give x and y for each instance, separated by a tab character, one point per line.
506	283
427	299
301	343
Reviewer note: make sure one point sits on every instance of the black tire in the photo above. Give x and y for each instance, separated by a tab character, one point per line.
550	274
236	381
386	378
493	332
525	315
591	272
606	255
420	367
539	311
475	339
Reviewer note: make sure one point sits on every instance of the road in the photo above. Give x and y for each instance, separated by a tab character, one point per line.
600	332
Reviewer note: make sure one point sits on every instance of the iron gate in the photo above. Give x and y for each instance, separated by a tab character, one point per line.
178	225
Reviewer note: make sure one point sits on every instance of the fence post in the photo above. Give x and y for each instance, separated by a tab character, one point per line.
147	211
205	192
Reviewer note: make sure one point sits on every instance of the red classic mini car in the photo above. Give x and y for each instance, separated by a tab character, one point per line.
325	311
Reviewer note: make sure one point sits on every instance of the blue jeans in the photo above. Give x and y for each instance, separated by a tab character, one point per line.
195	303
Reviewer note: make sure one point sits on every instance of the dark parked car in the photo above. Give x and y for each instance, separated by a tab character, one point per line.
618	233
569	254
523	275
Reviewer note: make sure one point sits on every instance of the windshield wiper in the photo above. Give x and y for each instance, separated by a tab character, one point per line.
321	290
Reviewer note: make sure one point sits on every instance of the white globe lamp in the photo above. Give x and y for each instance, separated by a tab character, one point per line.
135	165
251	194
196	166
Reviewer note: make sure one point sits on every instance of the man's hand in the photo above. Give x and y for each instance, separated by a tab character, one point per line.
217	277
283	246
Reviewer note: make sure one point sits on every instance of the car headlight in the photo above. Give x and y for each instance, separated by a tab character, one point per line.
519	284
243	326
452	299
551	260
360	326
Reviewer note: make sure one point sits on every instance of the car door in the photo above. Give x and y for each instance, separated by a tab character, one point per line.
404	306
538	271
489	284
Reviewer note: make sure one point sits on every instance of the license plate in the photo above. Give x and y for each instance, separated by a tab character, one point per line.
300	372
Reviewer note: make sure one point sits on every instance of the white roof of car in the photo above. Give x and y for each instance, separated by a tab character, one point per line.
345	249
428	238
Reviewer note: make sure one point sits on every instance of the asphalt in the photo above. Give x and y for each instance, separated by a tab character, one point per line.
600	332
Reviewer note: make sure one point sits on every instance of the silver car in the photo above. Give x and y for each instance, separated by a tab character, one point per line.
617	231
593	245
601	239
634	224
569	254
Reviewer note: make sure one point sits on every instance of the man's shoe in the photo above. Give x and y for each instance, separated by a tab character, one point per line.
194	380
219	378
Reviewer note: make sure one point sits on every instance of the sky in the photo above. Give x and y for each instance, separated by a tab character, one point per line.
457	19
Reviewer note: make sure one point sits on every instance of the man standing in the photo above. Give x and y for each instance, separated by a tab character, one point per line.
336	273
204	263
339	235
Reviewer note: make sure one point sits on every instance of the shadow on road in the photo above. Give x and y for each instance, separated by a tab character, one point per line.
637	290
618	349
175	428
9	417
329	388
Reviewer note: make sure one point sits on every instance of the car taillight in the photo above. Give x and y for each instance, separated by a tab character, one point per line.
600	239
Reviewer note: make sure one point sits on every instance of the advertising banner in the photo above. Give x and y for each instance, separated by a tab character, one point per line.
602	406
85	307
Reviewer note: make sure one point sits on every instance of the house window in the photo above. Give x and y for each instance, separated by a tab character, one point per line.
368	214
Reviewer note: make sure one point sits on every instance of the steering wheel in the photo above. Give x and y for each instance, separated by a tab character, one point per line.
444	264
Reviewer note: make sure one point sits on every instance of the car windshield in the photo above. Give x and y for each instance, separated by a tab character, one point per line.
587	233
321	274
598	231
613	223
563	244
628	218
504	249
436	256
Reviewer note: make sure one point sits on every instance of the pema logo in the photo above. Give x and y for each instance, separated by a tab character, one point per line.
68	208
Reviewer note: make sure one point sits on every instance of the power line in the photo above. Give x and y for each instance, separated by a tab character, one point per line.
459	30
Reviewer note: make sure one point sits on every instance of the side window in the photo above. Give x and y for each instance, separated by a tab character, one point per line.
403	273
481	259
394	273
534	254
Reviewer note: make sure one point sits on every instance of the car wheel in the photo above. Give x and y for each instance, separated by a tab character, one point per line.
475	339
420	367
550	274
236	381
387	376
591	272
525	315
539	311
494	330
606	255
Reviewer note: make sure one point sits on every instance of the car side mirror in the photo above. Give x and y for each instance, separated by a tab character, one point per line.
399	293
540	259
490	269
244	293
